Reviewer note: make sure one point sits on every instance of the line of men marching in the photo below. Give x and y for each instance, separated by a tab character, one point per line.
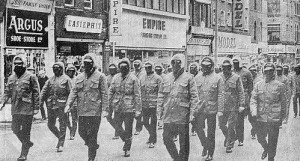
176	99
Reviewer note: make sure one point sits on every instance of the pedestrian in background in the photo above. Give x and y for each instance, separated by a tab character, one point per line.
234	99
72	115
159	71
283	79
23	89
287	73
176	104
247	81
296	89
42	78
268	106
91	92
125	100
211	95
55	93
149	92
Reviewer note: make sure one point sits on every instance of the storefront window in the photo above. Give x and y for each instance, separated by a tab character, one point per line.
182	7
69	2
149	4
88	4
132	2
274	33
141	3
176	6
162	5
169	5
156	4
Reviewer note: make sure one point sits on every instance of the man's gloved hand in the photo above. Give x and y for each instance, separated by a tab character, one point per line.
220	114
241	109
35	112
137	113
67	109
104	113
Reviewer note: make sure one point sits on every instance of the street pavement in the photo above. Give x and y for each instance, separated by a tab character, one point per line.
111	150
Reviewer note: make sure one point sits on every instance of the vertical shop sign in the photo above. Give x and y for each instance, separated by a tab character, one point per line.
115	17
238	11
25	28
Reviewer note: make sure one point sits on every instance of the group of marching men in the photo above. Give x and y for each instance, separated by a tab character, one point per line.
146	94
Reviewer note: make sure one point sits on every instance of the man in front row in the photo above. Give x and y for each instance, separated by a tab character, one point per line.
268	105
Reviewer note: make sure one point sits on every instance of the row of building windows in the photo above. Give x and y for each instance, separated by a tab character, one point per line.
88	4
290	33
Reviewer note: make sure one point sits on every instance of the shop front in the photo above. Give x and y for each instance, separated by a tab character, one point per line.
146	34
26	29
282	54
78	33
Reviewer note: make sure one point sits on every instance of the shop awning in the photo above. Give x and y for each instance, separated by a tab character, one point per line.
149	48
79	40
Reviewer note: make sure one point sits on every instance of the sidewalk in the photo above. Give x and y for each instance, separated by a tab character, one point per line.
5	114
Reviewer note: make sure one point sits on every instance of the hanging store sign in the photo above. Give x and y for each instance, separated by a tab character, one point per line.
290	49
276	49
83	24
31	5
115	17
25	28
199	41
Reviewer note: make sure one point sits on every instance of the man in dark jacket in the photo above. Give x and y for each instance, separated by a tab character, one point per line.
268	105
55	93
42	78
91	92
23	89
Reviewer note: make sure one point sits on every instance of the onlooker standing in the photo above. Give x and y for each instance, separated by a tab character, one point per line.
296	89
125	100
283	79
176	104
42	78
268	105
289	75
23	89
91	92
159	71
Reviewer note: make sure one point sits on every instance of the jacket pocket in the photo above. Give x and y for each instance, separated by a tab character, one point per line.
94	84
26	99
182	88
166	87
79	84
25	85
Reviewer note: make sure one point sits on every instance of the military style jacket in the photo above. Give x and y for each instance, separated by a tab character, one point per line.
149	90
234	96
211	92
56	91
125	94
268	101
140	75
91	94
283	79
109	79
24	93
177	98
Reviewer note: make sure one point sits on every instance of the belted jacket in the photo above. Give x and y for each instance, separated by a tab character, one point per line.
125	94
234	96
177	98
24	94
91	94
149	90
268	101
56	91
211	92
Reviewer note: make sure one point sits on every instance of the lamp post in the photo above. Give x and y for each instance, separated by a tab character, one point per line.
216	33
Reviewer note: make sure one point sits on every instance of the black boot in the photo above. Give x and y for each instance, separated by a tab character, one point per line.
25	149
92	151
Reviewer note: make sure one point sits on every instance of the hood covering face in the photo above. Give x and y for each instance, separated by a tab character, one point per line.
180	57
138	62
92	56
239	60
210	59
195	64
71	66
124	60
152	64
23	59
60	64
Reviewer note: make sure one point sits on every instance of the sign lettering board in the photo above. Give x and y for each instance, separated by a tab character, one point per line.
26	28
115	17
31	5
83	24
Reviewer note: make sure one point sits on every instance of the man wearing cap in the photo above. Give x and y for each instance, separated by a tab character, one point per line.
23	89
268	106
176	103
296	89
247	81
113	70
256	78
149	91
125	100
72	115
42	78
211	95
91	92
55	93
234	103
140	74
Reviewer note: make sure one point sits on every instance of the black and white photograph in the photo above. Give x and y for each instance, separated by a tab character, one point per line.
149	80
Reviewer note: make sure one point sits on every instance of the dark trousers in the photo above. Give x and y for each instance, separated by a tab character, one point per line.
208	142
88	127
74	119
240	126
171	130
43	112
252	122
139	123
229	117
150	113
111	121
53	114
21	127
126	135
272	131
296	99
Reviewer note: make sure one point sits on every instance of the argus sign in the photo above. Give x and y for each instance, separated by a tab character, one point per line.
25	28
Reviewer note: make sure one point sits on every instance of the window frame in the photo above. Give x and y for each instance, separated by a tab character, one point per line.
88	1
70	5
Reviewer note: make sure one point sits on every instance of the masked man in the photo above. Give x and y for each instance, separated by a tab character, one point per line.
176	104
125	100
247	81
296	89
91	92
140	74
211	95
55	92
72	115
234	99
193	70
268	105
23	89
113	70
